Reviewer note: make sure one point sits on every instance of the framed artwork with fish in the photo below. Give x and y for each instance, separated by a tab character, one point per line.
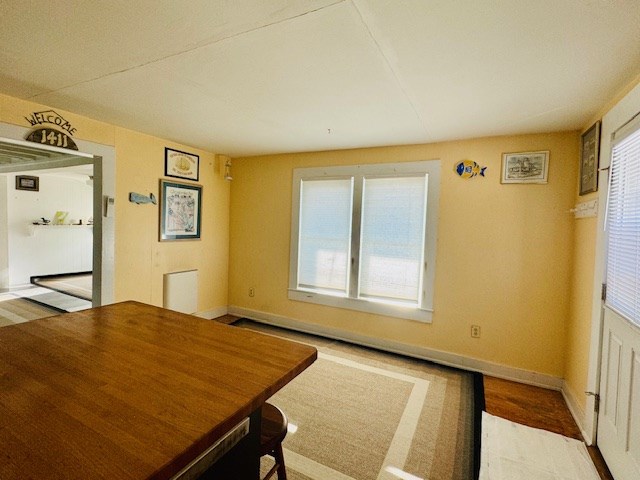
181	164
589	153
180	211
525	167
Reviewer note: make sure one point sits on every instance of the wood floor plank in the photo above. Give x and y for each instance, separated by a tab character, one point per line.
227	319
17	310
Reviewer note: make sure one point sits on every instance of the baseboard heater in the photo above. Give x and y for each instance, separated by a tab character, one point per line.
181	291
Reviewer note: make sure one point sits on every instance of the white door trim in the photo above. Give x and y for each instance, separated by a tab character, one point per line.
107	160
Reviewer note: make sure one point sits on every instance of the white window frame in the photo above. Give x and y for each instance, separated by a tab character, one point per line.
424	311
622	263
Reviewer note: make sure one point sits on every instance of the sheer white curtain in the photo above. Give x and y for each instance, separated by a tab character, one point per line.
325	235
392	240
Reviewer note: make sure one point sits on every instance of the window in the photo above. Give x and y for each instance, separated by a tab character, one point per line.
363	237
623	224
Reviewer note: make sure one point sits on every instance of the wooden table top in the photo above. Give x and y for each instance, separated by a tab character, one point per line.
129	391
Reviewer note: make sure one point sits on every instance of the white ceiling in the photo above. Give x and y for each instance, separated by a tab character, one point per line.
247	77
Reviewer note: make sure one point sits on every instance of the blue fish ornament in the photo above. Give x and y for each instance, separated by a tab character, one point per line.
469	169
141	199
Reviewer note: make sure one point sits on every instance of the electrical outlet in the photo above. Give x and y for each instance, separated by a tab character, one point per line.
475	331
252	292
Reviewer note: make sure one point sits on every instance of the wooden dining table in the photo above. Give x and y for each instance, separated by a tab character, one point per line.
134	391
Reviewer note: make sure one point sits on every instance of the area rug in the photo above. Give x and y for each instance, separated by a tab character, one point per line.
53	299
359	414
18	310
75	284
511	451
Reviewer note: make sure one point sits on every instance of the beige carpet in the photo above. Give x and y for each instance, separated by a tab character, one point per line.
362	414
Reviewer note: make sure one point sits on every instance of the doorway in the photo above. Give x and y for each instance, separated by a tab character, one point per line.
49	235
18	155
613	381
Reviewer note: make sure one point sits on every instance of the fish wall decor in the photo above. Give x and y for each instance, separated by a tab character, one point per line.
469	169
141	199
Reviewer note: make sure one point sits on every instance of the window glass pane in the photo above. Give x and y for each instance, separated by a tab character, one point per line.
623	226
325	235
392	239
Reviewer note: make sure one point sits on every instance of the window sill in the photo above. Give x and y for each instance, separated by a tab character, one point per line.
378	308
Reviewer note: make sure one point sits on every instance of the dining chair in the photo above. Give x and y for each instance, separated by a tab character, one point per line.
273	430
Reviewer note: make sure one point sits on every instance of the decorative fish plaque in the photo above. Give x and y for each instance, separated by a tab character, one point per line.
469	169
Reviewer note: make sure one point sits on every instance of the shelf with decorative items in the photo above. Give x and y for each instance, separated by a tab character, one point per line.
36	226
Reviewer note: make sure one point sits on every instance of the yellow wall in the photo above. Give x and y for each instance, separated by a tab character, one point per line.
581	297
504	252
141	260
579	323
510	258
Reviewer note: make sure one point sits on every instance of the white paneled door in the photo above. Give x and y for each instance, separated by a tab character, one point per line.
619	414
619	418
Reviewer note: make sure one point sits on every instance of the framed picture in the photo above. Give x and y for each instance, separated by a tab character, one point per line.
589	159
526	167
181	164
26	182
180	211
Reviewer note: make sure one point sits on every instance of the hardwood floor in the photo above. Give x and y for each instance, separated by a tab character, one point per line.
227	319
539	408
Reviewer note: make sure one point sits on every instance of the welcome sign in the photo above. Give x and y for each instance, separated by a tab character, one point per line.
52	129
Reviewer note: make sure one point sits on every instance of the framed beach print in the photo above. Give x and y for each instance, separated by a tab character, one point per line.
589	153
526	167
181	164
180	211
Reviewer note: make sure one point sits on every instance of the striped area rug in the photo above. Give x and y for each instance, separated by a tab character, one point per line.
18	310
359	414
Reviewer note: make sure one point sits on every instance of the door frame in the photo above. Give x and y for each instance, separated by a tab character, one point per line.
104	225
616	117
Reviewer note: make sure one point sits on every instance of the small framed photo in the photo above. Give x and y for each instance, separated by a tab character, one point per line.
526	167
26	182
589	159
180	211
181	164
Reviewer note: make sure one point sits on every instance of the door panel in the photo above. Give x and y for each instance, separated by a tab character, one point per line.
612	378
619	419
633	430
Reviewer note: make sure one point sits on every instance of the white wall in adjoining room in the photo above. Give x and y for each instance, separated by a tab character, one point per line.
4	234
49	250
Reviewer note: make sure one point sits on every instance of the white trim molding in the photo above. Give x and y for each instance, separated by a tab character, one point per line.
423	353
577	412
348	296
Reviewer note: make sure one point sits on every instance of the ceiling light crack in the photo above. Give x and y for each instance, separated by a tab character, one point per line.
188	50
393	70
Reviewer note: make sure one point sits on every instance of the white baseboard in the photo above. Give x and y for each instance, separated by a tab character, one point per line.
576	411
211	314
437	356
